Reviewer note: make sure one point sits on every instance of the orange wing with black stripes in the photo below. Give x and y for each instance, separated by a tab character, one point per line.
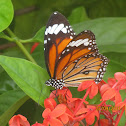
58	34
71	59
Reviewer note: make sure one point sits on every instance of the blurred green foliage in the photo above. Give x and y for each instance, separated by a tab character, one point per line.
107	19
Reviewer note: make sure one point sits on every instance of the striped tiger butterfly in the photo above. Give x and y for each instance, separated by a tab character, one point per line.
71	59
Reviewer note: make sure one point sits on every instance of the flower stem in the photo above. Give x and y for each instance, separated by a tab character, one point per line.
20	45
123	109
87	92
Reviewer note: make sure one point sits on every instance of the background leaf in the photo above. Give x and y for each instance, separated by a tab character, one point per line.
6	83
108	24
6	14
116	63
78	15
28	76
109	32
10	103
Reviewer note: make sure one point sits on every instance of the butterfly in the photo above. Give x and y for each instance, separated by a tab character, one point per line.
71	59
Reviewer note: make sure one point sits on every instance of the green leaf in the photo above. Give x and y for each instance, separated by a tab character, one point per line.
10	103
78	15
39	37
6	13
6	83
38	55
110	33
103	8
117	63
28	76
117	58
34	109
112	68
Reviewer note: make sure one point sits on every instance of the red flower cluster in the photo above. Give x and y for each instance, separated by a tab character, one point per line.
71	111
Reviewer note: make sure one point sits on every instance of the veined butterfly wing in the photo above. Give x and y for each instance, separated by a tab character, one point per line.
71	59
58	34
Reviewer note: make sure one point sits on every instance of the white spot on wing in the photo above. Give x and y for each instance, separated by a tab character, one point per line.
71	29
46	31
64	30
104	69
57	30
78	42
55	12
81	42
53	28
86	43
71	37
85	40
71	43
63	52
45	41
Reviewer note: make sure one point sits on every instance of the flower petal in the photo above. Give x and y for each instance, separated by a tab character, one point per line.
58	111
90	118
64	118
34	46
111	81
82	111
18	120
84	85
104	88
50	103
93	91
118	98
53	94
76	124
55	122
110	93
37	124
46	112
103	122
119	76
120	104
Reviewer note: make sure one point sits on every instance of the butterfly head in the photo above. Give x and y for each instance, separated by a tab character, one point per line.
57	84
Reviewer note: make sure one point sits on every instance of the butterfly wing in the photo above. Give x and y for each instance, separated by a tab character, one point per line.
58	34
81	61
88	67
83	44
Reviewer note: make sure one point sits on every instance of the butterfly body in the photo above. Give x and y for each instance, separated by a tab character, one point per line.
70	58
58	84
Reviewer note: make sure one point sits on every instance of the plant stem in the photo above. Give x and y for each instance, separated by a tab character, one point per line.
87	92
123	109
20	45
